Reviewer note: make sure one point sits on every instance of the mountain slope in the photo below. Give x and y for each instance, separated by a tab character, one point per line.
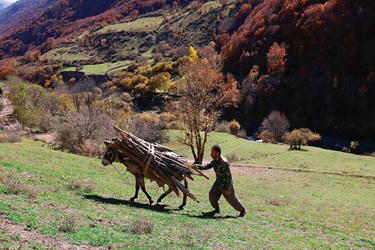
67	17
21	13
4	4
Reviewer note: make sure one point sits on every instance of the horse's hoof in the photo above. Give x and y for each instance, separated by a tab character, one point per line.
132	199
181	207
151	202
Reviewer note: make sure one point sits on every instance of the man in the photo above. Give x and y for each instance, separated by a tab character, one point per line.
223	184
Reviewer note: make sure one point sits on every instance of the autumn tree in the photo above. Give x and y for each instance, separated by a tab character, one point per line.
276	123
7	67
276	59
198	108
299	137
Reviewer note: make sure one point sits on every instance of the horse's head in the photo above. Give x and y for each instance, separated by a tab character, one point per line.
110	154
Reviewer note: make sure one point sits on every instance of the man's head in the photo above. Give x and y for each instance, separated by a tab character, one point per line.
215	152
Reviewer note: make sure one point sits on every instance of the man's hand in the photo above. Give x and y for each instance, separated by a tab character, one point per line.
197	166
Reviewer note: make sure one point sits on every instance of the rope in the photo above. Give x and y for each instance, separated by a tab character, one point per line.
119	171
150	158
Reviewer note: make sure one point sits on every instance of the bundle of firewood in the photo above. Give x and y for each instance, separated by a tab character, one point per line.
156	162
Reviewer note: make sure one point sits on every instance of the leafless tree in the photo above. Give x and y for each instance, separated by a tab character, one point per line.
277	123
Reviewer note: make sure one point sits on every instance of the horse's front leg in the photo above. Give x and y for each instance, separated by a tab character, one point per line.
137	186
142	182
165	194
181	207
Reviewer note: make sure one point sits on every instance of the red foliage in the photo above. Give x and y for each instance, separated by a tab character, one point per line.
276	58
66	18
243	12
7	67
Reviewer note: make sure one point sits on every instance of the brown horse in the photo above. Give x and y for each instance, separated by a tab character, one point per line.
112	155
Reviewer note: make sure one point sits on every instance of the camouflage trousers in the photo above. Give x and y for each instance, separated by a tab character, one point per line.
217	191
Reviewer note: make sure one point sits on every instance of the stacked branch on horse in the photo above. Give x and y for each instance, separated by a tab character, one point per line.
152	161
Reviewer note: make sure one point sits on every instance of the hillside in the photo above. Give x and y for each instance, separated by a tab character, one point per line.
4	4
312	60
67	18
67	199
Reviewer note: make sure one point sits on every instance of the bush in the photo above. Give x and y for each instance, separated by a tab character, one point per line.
10	137
69	224
15	186
141	227
267	136
234	127
75	128
222	127
148	127
90	148
232	157
242	134
84	185
276	123
299	137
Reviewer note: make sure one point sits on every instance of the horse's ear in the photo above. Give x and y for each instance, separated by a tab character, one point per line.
107	143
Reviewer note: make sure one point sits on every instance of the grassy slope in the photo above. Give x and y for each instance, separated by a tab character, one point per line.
261	154
286	209
146	24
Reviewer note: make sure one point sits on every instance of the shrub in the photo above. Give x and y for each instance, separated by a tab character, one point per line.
267	136
232	157
84	185
90	148
148	127
7	68
141	227
299	137
15	186
234	127
222	127
276	123
10	137
242	134
74	128
69	224
354	145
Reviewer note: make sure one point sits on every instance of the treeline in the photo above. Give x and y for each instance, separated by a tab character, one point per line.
312	59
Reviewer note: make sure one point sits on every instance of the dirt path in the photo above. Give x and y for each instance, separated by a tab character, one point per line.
8	120
33	236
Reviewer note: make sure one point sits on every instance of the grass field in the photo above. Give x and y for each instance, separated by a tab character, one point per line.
146	24
262	154
61	194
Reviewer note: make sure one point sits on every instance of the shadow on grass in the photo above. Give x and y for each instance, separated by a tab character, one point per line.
114	201
210	216
298	150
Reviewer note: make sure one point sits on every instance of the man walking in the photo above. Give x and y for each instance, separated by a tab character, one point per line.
223	184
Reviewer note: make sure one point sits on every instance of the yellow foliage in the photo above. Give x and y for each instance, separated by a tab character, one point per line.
234	127
67	102
193	54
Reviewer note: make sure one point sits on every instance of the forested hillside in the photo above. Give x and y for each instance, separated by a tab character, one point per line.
310	59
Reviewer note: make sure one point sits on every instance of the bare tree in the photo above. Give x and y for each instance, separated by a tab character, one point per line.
204	92
277	123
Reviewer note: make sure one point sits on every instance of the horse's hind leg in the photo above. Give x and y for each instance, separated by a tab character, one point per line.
181	207
137	186
142	181
165	194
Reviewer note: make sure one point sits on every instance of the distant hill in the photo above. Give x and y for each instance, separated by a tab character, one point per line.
21	13
4	4
31	23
